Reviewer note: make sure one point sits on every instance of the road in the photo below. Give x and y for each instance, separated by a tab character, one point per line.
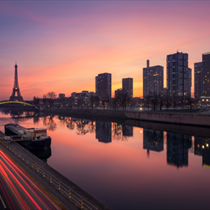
18	191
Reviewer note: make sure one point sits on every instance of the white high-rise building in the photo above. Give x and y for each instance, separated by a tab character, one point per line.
152	80
178	75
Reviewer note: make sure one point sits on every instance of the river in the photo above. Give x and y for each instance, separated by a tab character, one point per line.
127	167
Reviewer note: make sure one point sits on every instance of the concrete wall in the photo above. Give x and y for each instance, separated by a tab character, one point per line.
187	119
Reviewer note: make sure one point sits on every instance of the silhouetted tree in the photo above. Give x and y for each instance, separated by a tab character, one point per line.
167	101
147	101
114	103
51	97
94	100
123	98
161	101
35	100
190	101
70	102
154	99
44	99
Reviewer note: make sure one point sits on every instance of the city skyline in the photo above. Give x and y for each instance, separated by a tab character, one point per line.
62	46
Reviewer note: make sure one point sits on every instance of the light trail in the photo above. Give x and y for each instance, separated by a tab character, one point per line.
19	191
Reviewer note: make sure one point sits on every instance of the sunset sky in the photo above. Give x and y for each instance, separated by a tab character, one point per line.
61	46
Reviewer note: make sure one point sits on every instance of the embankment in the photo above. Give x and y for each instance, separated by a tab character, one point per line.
152	116
175	118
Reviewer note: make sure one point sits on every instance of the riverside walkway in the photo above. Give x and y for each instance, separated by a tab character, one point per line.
65	193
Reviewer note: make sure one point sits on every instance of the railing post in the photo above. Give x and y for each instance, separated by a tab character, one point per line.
27	161
23	157
50	179
43	173
69	194
59	185
37	169
32	165
82	203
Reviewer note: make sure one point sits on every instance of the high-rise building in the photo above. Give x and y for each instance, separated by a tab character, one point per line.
198	80
152	80
206	74
127	84
178	75
61	96
103	84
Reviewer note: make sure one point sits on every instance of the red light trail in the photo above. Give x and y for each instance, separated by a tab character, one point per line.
18	190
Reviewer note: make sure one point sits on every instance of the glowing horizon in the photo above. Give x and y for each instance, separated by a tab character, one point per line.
62	46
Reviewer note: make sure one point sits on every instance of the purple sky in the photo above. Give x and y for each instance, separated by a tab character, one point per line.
62	45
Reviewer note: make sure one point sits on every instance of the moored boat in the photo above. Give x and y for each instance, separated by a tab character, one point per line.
34	138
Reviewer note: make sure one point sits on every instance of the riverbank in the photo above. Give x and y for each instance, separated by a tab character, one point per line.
89	113
188	117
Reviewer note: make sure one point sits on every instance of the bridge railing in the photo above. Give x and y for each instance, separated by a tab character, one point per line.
64	189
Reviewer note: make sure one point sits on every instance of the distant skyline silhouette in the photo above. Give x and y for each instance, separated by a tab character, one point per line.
62	46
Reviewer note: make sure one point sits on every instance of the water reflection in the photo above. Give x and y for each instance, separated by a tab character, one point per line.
15	112
152	140
177	149
202	148
103	131
41	154
107	159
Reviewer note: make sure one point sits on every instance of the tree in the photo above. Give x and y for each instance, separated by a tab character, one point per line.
70	102
154	99
114	103
35	100
167	101
44	99
147	101
51	97
123	98
161	101
190	101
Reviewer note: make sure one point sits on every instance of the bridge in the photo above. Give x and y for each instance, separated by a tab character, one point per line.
20	105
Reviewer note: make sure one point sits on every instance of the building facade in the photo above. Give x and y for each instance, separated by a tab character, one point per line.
127	84
61	96
178	75
103	85
206	74
198	80
152	80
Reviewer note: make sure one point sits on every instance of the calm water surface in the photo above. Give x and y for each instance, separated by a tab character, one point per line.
128	167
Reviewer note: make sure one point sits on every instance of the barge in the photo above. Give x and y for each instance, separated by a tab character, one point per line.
33	138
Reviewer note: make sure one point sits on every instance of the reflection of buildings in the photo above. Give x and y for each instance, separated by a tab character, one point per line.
127	130
152	140
177	149
202	147
60	117
103	131
36	119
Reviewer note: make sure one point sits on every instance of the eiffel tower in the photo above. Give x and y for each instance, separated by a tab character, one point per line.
16	88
